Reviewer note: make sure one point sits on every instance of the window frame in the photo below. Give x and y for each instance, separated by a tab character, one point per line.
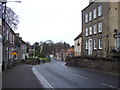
95	44
90	16
100	27
100	10
90	30
100	43
94	13
95	29
117	43
86	45
86	18
86	33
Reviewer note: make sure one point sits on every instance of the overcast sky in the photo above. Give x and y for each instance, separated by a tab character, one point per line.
41	20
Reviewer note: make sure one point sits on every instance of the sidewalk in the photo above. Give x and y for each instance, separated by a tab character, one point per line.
20	76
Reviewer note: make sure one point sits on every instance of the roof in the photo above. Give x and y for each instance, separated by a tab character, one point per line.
80	35
88	6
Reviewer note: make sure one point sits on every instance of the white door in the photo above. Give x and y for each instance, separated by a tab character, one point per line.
0	56
90	47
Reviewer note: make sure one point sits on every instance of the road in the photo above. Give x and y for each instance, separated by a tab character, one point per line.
56	75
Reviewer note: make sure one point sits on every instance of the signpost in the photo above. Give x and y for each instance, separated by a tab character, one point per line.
14	53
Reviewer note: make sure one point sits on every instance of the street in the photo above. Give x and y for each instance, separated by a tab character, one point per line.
56	75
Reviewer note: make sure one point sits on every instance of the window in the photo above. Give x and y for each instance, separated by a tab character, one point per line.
100	43
117	43
86	31
90	30
100	10
86	18
90	16
94	13
100	27
7	34
87	45
95	28
95	46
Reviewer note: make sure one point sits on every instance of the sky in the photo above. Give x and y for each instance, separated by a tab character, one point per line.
41	20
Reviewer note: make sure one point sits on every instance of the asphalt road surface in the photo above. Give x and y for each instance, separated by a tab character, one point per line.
56	75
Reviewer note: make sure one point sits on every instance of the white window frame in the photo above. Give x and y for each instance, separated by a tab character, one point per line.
86	31
95	28
117	43
90	30
94	13
86	45
100	43
100	27
7	33
90	16
100	10
95	45
86	18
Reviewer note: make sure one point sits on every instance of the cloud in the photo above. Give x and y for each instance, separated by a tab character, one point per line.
49	19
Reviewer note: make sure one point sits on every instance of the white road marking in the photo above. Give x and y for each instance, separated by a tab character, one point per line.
41	79
80	76
108	85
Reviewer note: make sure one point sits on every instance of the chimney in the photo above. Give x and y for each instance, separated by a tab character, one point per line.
21	38
91	1
17	34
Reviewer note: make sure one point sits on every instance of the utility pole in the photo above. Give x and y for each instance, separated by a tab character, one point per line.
1	40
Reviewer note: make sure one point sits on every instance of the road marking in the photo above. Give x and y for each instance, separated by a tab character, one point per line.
42	80
80	76
108	85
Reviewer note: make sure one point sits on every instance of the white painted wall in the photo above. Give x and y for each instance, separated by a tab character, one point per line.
0	65
0	55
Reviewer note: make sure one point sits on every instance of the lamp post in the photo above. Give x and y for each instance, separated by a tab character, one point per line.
1	37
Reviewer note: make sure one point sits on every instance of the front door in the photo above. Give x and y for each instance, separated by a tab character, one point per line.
90	47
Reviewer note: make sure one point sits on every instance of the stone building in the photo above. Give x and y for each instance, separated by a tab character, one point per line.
20	48
1	37
8	44
101	29
78	45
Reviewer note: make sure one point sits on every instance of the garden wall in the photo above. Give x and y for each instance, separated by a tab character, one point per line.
94	63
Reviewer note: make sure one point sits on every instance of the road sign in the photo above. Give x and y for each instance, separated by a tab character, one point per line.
14	53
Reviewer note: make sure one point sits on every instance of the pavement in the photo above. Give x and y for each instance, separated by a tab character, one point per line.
20	76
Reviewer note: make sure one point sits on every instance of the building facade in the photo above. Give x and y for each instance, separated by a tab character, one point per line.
1	45
8	45
20	48
101	29
78	45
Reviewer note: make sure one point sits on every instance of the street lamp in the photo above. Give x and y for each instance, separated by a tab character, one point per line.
1	38
15	1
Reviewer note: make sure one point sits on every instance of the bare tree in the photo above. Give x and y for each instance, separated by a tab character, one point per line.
12	18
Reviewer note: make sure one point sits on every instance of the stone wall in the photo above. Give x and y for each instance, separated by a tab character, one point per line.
94	63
